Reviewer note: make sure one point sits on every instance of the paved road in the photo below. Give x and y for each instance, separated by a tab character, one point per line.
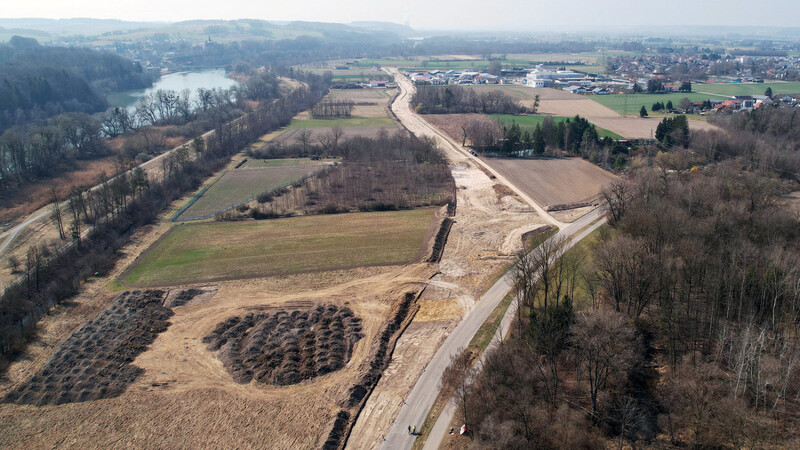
422	396
441	427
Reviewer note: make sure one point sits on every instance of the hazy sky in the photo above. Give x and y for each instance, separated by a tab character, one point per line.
518	15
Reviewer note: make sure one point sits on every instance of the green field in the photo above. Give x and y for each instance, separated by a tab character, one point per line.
530	122
732	89
617	102
209	251
351	122
241	184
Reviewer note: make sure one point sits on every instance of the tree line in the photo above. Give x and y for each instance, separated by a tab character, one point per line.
98	222
763	139
332	109
460	99
574	136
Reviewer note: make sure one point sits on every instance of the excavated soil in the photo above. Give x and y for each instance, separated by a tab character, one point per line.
286	347
94	362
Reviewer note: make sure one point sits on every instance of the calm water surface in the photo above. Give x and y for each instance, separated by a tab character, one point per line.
192	80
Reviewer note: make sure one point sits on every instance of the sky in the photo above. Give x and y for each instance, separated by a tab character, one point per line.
512	15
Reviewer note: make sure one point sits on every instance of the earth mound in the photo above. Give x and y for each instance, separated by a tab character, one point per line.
94	362
286	347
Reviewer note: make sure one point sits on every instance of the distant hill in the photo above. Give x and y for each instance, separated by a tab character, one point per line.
387	27
86	27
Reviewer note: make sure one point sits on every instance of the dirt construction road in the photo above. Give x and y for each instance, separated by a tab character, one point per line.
418	402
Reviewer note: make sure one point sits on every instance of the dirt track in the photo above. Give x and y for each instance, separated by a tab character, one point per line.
487	232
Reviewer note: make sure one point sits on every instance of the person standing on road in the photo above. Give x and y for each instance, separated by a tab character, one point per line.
409	429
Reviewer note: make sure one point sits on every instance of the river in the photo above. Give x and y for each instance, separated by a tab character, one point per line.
178	81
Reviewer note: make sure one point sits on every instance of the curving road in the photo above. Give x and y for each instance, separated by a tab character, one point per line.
421	398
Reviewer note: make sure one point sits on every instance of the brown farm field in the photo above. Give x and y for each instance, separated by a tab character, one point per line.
554	181
240	184
452	123
557	102
196	253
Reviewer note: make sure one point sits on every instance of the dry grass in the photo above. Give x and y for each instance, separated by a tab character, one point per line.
185	398
34	196
452	123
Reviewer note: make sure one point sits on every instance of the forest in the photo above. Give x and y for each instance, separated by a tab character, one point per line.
37	82
677	326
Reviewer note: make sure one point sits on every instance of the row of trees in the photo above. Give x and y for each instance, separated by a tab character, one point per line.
460	99
332	109
576	136
119	206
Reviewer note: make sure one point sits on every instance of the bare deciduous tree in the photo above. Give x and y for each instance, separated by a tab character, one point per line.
605	345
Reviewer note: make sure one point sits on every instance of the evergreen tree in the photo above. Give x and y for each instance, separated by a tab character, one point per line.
539	144
643	112
768	92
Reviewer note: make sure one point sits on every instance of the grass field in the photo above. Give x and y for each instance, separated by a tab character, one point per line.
630	104
260	163
351	122
530	122
209	251
731	89
241	184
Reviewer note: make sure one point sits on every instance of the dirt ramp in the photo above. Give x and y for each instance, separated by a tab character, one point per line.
286	347
94	362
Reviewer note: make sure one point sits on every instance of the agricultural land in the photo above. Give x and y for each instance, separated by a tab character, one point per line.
244	183
232	250
555	183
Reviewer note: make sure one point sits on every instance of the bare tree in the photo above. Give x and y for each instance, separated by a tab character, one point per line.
605	346
457	378
303	137
55	213
617	195
13	264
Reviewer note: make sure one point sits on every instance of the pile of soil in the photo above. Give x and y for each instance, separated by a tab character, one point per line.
94	362
286	347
